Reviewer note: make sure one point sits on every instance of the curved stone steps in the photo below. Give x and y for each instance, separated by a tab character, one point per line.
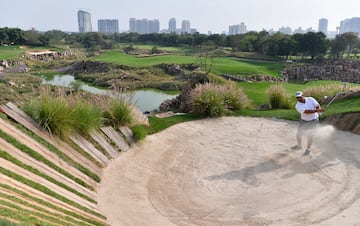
43	216
40	195
18	115
101	140
38	205
116	137
50	156
90	149
45	169
55	188
112	141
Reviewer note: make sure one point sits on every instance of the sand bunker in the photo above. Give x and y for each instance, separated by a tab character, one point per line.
234	171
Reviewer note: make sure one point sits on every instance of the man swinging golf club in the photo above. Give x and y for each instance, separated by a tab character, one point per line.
309	110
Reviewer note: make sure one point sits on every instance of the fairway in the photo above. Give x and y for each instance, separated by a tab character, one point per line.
221	65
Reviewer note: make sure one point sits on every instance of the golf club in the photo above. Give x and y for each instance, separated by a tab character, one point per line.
336	95
332	100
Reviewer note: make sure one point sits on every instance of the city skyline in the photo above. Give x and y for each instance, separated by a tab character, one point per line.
215	16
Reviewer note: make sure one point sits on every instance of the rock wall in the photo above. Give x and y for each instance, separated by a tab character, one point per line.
339	70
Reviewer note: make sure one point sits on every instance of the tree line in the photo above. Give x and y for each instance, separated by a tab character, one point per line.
308	45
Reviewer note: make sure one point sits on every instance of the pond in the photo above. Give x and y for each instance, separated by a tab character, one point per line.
144	99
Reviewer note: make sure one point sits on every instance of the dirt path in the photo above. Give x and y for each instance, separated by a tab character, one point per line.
234	171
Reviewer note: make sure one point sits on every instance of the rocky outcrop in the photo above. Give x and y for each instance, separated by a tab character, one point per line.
182	103
255	78
339	70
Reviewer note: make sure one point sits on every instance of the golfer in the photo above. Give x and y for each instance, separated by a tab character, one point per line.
308	108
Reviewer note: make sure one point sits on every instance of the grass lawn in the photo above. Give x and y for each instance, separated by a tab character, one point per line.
10	52
117	57
236	66
221	65
14	51
173	49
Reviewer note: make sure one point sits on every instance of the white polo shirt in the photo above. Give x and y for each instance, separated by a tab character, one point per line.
310	104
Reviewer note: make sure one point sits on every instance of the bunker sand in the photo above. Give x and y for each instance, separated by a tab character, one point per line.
234	171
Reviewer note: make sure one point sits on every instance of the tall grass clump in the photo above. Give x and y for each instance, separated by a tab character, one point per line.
53	114
62	114
234	97
278	98
118	112
139	131
86	117
212	100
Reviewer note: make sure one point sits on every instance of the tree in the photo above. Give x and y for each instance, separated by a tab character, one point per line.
248	42
206	60
337	46
311	44
286	46
55	37
261	42
11	36
350	38
355	51
32	37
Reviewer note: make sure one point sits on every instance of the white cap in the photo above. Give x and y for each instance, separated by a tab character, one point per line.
298	94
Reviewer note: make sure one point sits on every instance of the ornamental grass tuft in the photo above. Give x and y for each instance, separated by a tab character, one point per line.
213	100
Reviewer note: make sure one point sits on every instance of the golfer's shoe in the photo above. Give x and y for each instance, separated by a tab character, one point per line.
296	147
307	152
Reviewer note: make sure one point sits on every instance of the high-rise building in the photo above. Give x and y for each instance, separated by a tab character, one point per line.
285	30
108	26
132	25
350	25
144	26
237	29
153	26
185	26
172	25
84	21
323	26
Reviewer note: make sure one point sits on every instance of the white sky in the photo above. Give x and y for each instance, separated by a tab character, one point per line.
204	15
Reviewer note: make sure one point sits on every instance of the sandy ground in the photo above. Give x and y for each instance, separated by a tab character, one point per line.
234	171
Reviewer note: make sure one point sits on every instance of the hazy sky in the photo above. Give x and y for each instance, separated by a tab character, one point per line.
204	15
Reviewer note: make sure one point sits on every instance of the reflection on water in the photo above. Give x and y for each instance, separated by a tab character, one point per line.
145	100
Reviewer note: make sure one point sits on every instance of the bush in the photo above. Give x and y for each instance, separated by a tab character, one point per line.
213	100
278	98
86	117
118	113
139	132
234	97
53	114
62	116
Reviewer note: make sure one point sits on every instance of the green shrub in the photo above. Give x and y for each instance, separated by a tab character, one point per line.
119	112
209	103
62	115
86	117
278	98
139	132
53	114
234	97
210	99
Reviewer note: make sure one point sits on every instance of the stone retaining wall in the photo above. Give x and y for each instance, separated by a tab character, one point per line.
340	70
